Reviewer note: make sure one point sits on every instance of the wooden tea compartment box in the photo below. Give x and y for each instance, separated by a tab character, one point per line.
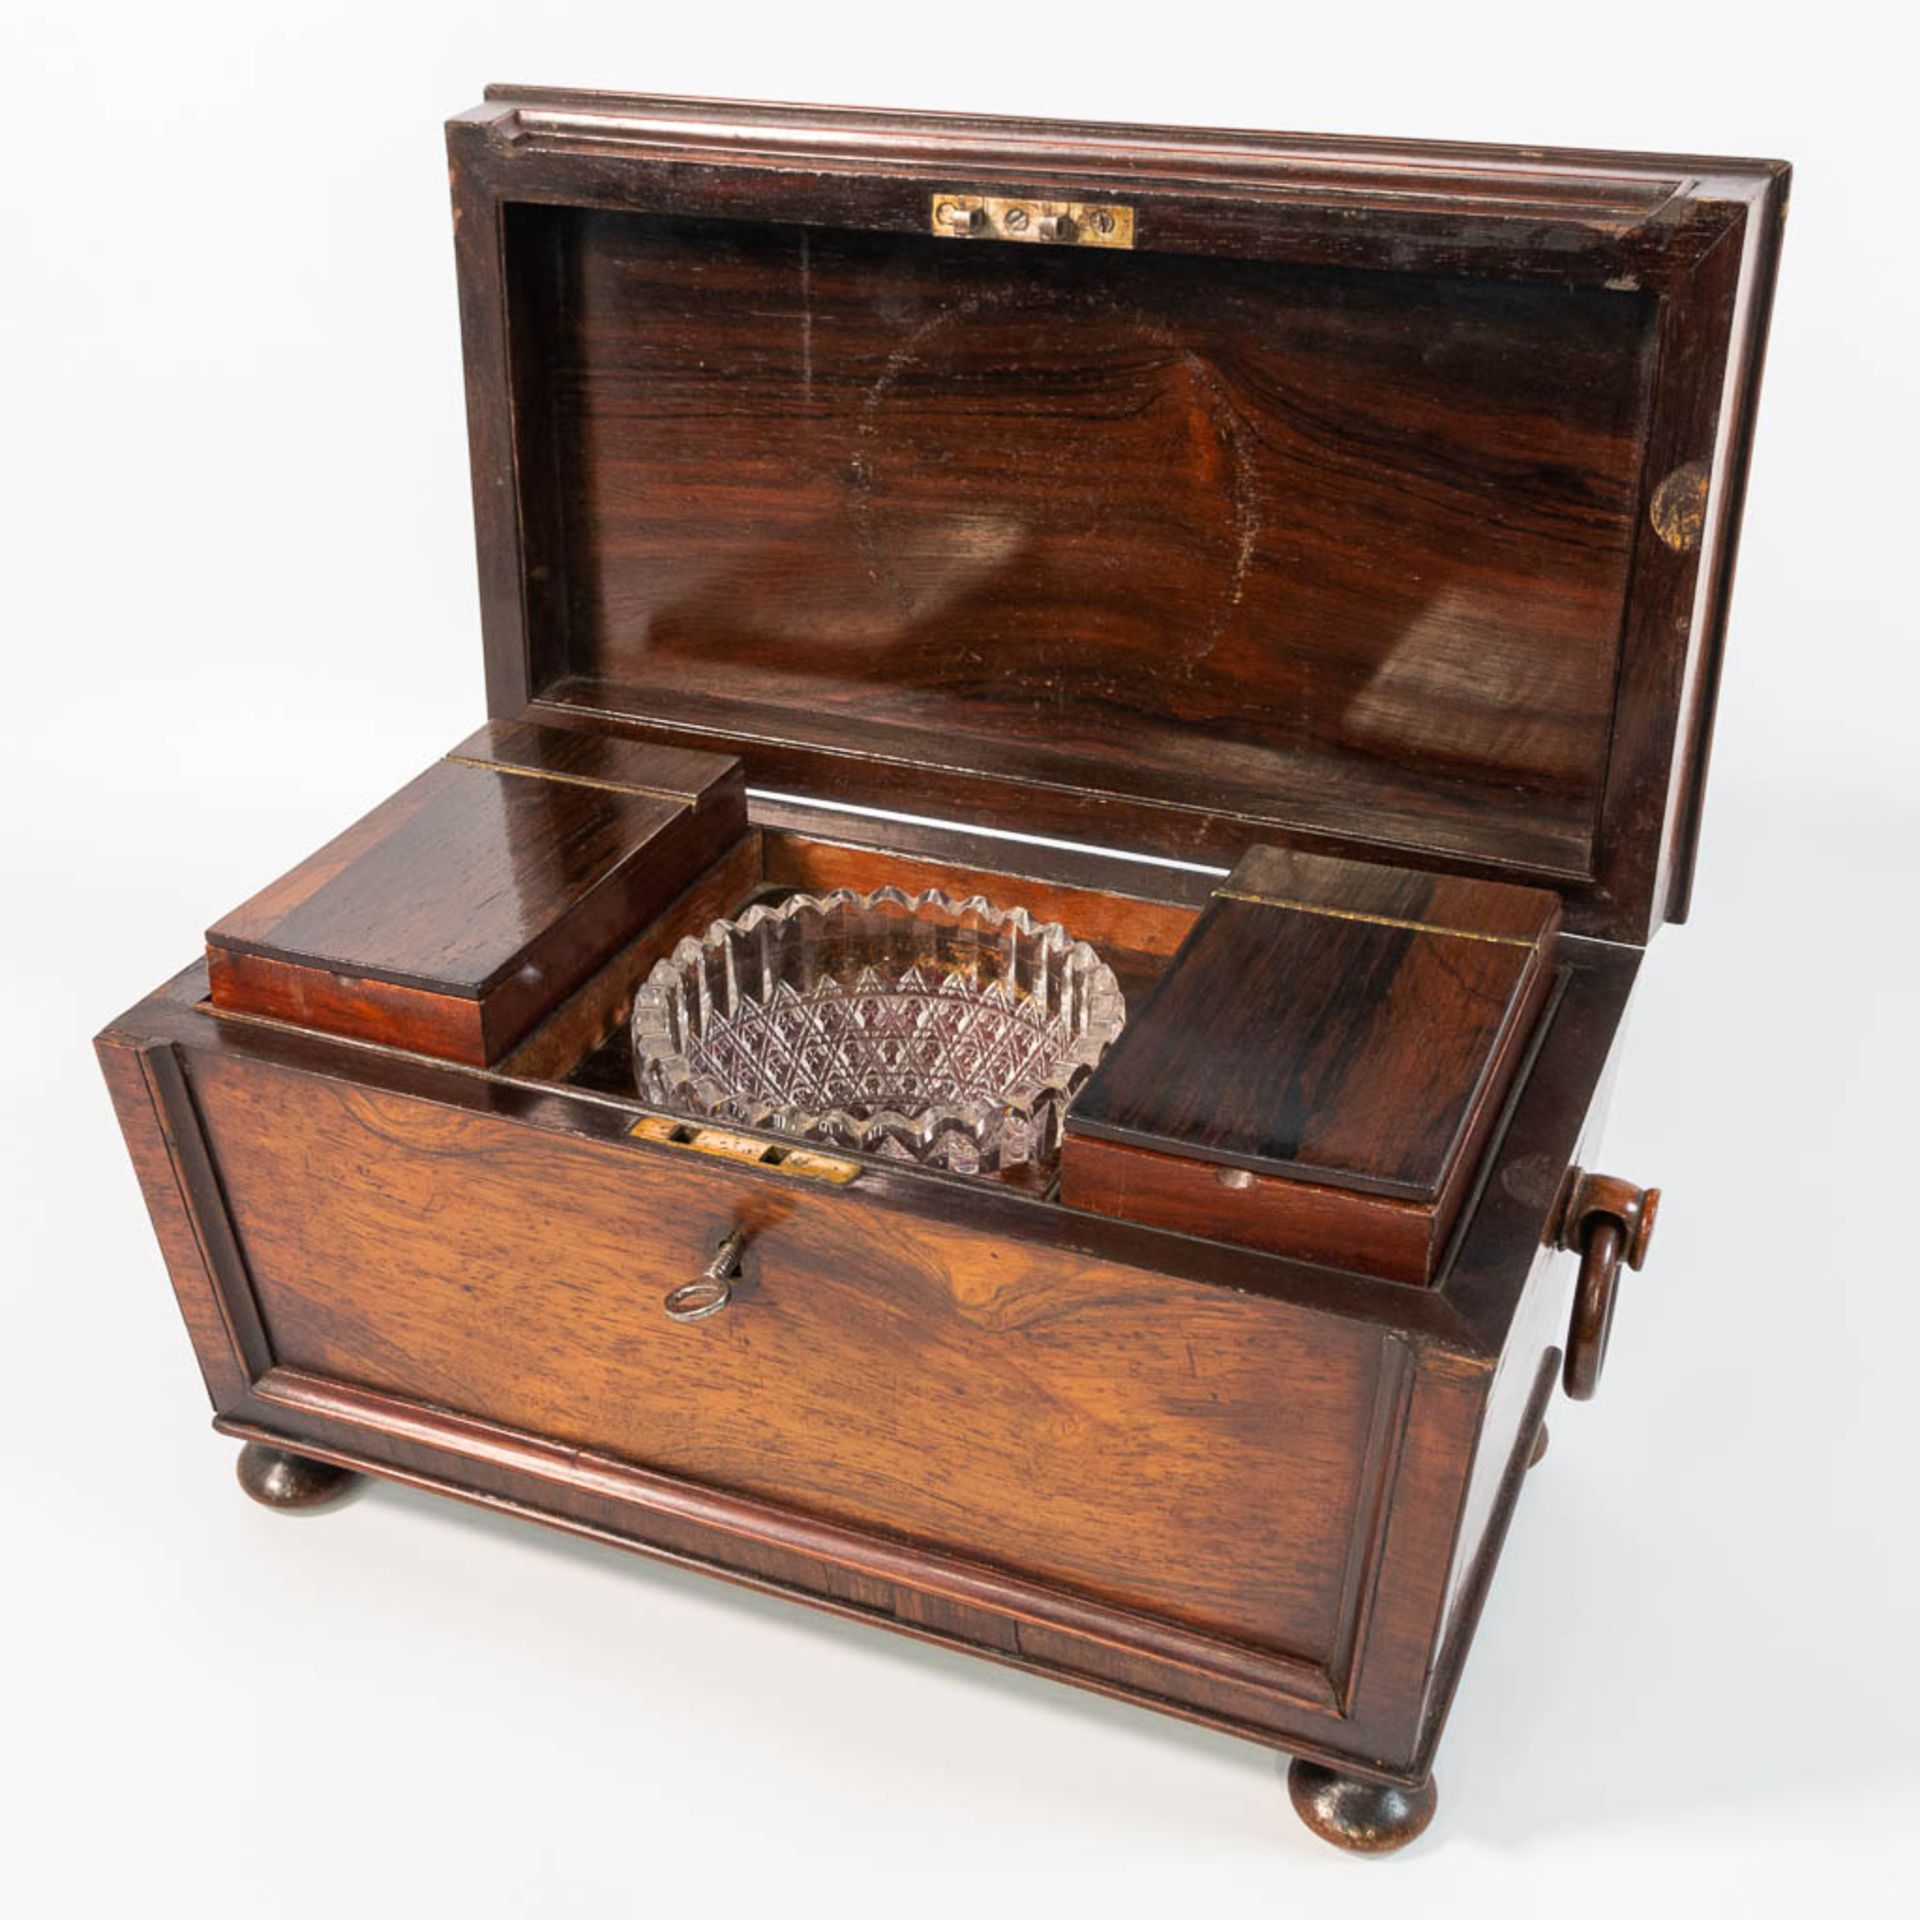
1181	492
460	912
1322	1065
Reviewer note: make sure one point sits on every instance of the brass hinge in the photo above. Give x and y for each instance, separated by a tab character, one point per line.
1071	223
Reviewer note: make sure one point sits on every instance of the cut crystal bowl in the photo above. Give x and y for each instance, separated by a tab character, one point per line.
917	1026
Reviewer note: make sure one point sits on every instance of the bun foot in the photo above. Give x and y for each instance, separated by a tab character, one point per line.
290	1482
1539	1452
1361	1815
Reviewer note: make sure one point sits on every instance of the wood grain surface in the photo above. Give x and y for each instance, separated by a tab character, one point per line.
1322	1041
1382	501
1198	1455
1330	512
1304	1219
463	909
1417	1561
1352	546
1319	1069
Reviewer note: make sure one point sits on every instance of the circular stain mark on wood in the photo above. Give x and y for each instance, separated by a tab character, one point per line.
1006	485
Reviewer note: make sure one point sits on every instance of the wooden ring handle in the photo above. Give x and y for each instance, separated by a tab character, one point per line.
1593	1299
1610	1222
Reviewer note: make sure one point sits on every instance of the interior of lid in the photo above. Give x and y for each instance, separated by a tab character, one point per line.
1342	550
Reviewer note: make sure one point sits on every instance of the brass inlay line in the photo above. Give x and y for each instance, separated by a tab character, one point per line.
575	779
1375	919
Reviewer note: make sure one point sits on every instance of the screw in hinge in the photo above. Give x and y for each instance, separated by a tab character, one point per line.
958	215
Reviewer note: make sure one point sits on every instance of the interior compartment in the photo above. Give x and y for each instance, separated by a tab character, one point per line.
1136	917
586	1042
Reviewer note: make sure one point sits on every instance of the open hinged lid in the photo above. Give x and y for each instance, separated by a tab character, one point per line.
1170	491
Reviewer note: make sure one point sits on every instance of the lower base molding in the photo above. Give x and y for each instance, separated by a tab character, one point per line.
1251	1693
761	1547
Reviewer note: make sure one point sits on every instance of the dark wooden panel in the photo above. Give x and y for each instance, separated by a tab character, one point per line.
1303	1033
1320	1067
463	909
1349	472
1185	1450
450	1026
446	886
144	1081
1351	549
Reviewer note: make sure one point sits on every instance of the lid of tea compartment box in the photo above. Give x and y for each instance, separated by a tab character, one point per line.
1159	489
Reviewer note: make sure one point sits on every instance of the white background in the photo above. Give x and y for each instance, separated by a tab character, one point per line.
239	608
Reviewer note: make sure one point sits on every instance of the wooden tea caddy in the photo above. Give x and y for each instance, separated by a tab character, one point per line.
1355	516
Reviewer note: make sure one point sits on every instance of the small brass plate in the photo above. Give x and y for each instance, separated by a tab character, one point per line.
801	1162
1059	223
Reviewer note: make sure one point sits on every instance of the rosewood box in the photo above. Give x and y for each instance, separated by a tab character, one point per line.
1322	1063
910	505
